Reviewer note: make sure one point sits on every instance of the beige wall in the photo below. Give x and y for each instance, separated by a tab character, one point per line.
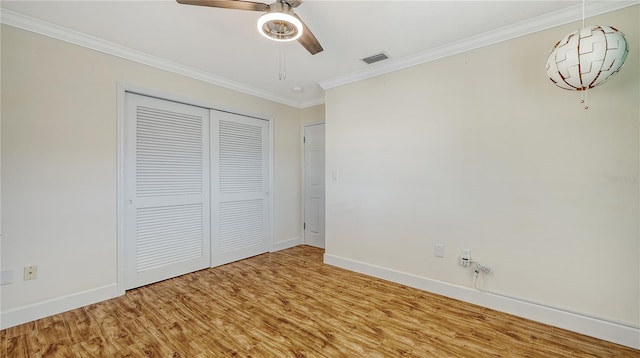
481	151
312	115
59	161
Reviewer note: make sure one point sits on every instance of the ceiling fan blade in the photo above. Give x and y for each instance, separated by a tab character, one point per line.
228	4
294	3
308	40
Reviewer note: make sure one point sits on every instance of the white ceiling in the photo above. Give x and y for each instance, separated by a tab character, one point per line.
225	44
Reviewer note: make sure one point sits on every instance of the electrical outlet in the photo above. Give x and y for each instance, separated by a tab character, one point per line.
30	272
465	257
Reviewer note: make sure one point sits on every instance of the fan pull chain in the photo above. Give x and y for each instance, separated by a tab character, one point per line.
283	65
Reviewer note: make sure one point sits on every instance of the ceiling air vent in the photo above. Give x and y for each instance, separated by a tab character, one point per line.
375	58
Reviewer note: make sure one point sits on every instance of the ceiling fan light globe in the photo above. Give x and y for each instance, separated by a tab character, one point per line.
280	27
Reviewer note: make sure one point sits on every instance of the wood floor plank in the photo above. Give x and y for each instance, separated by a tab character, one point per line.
20	330
16	347
81	326
289	304
96	347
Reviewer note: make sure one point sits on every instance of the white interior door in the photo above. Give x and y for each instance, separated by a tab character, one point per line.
166	190
314	185
240	187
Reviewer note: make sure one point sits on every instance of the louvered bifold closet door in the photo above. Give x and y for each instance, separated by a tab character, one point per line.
166	190
240	196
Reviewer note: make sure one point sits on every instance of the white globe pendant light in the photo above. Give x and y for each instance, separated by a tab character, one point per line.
587	58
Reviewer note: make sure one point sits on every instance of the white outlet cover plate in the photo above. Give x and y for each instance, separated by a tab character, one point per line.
30	272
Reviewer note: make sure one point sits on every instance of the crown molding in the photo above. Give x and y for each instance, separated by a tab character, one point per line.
18	20
544	22
540	23
311	103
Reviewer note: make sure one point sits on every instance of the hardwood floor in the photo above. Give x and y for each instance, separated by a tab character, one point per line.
289	304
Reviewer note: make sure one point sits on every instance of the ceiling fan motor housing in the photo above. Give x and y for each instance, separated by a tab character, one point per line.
279	23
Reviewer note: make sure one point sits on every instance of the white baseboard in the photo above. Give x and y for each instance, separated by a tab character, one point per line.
598	328
57	305
281	245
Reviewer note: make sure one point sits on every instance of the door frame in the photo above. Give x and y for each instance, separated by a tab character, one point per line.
121	89
302	177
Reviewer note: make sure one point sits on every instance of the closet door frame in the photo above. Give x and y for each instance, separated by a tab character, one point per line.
121	89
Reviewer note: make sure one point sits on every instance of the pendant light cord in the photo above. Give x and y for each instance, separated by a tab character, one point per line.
584	92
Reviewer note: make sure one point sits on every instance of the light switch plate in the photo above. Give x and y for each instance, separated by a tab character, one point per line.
6	277
439	250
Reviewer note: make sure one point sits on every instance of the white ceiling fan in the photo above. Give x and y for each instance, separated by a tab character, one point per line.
279	23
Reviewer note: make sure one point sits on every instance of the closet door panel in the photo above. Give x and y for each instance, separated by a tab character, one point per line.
240	196
167	197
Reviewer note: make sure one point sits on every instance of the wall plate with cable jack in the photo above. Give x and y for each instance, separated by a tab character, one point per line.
30	272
